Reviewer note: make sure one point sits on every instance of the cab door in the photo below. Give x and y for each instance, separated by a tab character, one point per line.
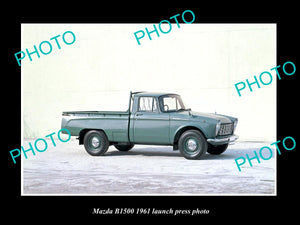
150	126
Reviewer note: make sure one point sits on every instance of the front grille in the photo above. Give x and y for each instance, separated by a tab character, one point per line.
226	129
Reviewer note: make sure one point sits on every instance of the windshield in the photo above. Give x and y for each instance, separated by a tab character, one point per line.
171	103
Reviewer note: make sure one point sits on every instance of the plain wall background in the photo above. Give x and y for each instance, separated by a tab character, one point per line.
201	62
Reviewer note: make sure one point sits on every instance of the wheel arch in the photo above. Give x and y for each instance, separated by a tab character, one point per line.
181	130
84	131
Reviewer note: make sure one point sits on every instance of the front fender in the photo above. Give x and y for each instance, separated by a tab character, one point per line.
207	129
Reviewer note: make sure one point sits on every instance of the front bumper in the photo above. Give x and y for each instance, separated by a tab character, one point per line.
221	141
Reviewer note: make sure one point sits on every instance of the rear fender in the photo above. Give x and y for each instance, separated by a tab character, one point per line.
83	132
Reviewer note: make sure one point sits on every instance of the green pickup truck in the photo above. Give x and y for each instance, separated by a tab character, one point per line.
152	119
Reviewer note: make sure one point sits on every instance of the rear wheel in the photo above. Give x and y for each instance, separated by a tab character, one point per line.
192	144
95	142
124	148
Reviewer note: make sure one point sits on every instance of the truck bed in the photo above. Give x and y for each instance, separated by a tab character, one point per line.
115	123
81	113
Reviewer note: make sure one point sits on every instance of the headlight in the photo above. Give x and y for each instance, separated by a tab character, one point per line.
218	127
234	124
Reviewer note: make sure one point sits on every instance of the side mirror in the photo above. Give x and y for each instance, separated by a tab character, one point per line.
166	108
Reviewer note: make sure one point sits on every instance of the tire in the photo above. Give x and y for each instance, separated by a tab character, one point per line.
95	142
216	149
124	148
192	144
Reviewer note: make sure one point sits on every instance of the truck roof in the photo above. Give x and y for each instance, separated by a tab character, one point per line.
152	94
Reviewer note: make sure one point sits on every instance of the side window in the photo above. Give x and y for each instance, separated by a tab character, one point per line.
170	104
148	104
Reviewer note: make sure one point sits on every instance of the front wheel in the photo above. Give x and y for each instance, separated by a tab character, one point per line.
124	148
95	142
216	149
192	144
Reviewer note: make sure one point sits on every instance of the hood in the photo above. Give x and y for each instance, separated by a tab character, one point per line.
222	118
208	116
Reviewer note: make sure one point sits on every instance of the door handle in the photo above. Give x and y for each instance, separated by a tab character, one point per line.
139	114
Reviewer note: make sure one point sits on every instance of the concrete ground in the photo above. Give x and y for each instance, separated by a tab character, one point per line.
158	170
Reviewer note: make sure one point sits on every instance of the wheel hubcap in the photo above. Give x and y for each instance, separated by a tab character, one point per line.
191	145
95	142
